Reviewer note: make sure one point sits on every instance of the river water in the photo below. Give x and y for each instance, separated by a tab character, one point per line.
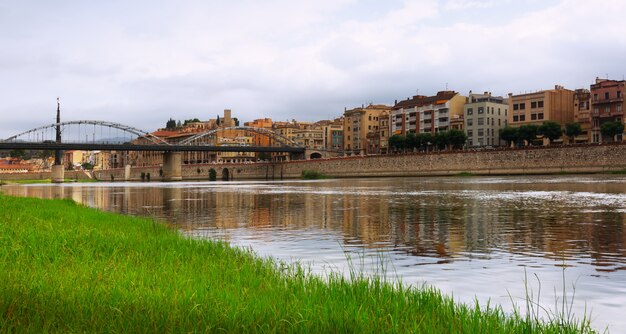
490	238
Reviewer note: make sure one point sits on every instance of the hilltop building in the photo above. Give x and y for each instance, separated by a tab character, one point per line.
483	116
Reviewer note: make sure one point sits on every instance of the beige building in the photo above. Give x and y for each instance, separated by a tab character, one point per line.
310	136
236	157
484	116
333	134
582	114
357	124
555	105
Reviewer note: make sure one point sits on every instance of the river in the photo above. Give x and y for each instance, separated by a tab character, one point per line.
490	238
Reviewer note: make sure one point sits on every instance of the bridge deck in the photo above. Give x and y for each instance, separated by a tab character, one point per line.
131	147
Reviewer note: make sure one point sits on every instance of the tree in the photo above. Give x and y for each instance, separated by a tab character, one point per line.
236	121
17	154
396	142
528	133
573	130
612	129
425	139
509	134
170	124
442	140
87	166
410	141
551	130
457	138
212	174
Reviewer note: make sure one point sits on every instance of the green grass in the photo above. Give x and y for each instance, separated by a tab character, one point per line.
619	172
465	174
312	175
67	268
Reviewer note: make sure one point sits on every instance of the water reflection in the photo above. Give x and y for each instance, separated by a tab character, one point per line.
469	234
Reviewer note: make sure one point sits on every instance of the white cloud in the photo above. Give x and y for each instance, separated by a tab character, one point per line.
141	63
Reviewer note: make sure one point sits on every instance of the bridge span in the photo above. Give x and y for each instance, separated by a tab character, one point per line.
93	135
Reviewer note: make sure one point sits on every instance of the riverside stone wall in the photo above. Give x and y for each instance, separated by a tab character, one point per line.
543	160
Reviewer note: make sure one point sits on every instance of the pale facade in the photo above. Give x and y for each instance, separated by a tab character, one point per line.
607	104
483	117
333	135
426	114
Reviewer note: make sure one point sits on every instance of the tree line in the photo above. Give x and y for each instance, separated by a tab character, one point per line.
527	134
453	139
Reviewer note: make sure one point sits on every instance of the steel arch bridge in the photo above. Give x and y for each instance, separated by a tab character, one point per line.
46	133
284	141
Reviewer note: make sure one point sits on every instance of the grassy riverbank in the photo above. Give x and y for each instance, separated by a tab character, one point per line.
46	181
64	267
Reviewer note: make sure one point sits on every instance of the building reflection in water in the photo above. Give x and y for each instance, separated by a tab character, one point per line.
443	218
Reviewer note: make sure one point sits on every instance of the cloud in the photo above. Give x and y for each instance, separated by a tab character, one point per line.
142	62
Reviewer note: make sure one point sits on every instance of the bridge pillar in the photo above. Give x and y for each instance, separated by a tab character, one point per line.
58	173
172	169
127	173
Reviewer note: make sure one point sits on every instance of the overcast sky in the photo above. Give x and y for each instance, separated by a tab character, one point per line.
142	62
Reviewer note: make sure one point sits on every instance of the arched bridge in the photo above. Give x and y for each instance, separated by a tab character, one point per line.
105	135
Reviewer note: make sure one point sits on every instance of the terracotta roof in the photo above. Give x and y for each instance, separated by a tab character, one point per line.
420	100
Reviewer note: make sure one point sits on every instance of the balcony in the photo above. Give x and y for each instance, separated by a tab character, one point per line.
605	101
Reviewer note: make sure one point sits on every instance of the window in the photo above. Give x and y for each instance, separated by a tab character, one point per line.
516	106
515	118
470	133
470	111
540	115
619	108
596	110
470	122
481	132
533	105
607	109
481	110
522	118
595	97
533	117
498	111
619	94
481	121
540	104
606	95
499	122
522	106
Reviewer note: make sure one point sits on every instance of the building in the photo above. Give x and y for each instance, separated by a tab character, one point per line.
582	114
310	136
555	105
426	114
483	117
607	104
14	166
358	122
333	134
378	139
235	157
262	123
74	159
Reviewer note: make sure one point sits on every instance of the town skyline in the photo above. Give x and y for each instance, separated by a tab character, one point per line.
141	65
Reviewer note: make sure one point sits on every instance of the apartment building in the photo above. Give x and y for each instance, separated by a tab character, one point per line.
358	123
607	104
431	114
483	117
555	105
333	134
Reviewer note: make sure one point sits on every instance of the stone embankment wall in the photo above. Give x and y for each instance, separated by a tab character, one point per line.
543	160
76	175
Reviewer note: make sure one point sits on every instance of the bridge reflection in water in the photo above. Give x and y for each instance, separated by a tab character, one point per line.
470	236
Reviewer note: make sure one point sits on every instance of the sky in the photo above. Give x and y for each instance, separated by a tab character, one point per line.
140	62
